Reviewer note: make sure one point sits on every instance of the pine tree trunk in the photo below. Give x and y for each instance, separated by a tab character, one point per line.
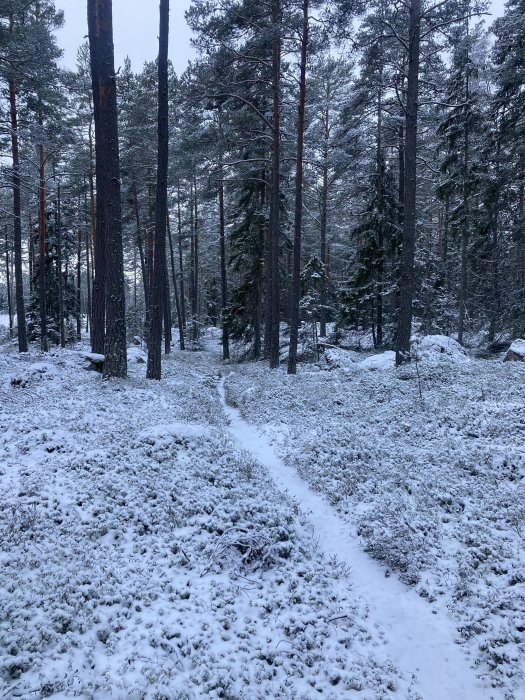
195	269
274	290
298	218
98	306
61	324
174	277
224	280
17	223
8	283
324	220
380	184
259	275
79	281
108	215
406	284
166	308
42	247
181	266
31	251
161	209
140	244
89	325
463	290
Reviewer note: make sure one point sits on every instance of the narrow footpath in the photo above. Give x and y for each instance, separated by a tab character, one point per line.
420	638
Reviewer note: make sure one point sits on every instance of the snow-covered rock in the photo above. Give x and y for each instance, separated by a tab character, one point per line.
516	352
440	347
336	358
94	357
136	354
384	360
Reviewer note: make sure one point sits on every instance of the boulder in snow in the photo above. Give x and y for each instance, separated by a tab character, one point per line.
96	361
137	355
440	347
516	352
384	360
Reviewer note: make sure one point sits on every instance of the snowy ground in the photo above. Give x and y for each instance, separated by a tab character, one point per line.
427	465
149	548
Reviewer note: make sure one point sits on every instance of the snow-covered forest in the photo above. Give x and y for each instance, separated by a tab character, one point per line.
262	369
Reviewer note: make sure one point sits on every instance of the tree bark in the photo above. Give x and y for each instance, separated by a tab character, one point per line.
324	217
161	209
224	280
109	218
140	244
61	323
274	288
463	289
79	281
174	277
406	284
8	284
42	247
17	223
89	325
298	218
181	266
380	185
166	312
195	267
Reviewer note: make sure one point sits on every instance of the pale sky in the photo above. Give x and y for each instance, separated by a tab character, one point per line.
135	30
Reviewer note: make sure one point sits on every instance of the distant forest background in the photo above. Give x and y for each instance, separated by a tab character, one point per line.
330	166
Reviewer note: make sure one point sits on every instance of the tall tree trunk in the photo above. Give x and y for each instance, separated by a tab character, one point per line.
8	283
181	266
380	194
166	312
58	222
195	275
324	216
274	290
98	305
89	325
191	290
259	272
79	281
298	218
463	288
175	291
109	219
140	244
406	283
224	281
31	251
17	223
161	209
42	246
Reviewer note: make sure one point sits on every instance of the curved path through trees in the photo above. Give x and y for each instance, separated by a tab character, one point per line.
420	638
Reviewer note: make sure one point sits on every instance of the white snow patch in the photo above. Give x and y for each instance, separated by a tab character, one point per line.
439	347
384	360
94	357
518	347
136	354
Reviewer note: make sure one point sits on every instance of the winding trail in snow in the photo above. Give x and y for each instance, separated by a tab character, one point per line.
420	639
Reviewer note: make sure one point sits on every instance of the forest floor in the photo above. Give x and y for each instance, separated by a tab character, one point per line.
231	532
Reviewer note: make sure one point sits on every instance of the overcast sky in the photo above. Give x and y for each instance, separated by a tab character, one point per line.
135	29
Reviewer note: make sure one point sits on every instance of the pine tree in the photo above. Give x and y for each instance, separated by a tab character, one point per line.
108	291
161	208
